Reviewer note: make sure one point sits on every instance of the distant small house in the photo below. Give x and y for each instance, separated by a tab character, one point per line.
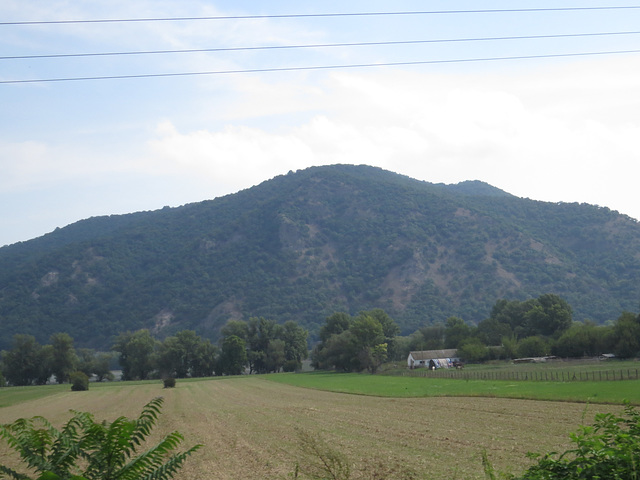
433	359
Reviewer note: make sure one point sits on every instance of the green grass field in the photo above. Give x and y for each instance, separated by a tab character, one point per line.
613	392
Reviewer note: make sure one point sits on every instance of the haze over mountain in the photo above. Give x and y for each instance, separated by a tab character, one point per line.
303	245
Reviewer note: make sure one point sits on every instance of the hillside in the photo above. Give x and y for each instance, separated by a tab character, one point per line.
303	245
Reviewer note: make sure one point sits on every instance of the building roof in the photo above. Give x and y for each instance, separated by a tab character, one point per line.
429	354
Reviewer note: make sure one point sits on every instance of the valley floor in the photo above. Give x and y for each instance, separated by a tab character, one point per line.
250	426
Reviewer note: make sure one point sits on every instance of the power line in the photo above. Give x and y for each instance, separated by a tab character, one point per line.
321	45
321	15
318	67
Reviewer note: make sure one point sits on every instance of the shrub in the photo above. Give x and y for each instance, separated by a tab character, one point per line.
291	366
169	382
86	450
609	449
79	381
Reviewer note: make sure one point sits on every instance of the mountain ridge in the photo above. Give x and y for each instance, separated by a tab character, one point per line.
303	245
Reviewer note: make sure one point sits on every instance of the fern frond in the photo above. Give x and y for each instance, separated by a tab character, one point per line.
147	420
12	473
171	466
151	459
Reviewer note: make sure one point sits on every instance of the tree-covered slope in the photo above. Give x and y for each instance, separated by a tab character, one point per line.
303	245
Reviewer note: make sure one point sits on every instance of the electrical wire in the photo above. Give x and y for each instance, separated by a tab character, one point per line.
318	67
321	45
321	15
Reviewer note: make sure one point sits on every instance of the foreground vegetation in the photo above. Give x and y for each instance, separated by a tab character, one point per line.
84	449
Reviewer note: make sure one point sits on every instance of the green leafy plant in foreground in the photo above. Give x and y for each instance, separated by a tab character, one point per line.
609	449
87	450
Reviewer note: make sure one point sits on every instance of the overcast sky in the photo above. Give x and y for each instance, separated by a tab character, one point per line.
558	127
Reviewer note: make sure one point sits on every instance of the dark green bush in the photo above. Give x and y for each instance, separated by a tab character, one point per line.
79	381
169	382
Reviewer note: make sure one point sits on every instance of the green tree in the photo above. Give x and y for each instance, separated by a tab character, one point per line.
339	352
64	359
491	332
102	366
367	331
376	357
136	354
548	315
295	345
204	359
472	350
509	347
239	328
86	358
335	324
432	337
533	347
176	355
583	339
358	343
233	357
262	332
45	360
626	335
25	362
389	328
274	356
456	331
371	347
87	450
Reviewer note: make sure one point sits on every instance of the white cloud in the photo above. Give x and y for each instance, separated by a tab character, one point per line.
545	134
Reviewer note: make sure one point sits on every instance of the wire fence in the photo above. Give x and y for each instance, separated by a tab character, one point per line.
531	376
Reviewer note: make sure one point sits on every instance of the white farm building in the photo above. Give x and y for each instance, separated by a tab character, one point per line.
433	359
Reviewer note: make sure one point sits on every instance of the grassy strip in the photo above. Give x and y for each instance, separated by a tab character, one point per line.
16	395
405	387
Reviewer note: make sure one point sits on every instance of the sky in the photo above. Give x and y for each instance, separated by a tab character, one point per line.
553	118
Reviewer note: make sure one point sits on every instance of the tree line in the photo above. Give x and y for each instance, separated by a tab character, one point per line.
256	346
535	327
30	363
532	328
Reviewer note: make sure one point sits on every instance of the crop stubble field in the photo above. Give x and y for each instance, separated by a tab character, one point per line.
249	426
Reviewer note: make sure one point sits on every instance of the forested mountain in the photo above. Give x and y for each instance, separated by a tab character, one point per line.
304	245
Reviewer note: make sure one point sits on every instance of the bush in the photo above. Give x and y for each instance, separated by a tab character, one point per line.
169	382
291	366
79	381
609	449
